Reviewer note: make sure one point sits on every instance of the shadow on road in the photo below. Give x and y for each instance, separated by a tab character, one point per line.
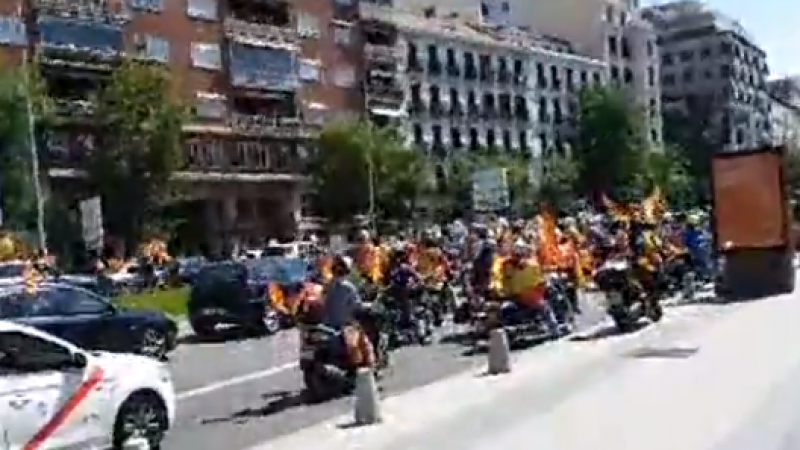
605	333
277	402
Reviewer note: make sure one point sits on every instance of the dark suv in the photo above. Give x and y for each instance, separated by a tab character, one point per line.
235	293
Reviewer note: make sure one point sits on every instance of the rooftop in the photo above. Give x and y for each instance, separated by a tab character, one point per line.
469	30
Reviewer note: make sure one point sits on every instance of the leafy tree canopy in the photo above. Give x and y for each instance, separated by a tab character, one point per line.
140	148
610	152
363	169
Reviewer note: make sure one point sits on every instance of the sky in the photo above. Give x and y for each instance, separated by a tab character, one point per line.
775	24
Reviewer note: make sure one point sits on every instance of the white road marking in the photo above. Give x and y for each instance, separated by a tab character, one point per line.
242	379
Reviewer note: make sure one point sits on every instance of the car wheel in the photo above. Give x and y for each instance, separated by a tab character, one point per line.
143	416
153	343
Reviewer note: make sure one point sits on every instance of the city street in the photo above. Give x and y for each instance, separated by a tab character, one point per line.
239	394
708	377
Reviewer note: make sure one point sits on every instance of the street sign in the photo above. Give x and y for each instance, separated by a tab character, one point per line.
490	190
92	223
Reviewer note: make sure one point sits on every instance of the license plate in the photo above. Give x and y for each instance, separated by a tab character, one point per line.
614	298
212	311
307	353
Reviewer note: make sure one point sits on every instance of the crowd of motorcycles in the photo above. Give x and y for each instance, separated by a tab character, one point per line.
633	293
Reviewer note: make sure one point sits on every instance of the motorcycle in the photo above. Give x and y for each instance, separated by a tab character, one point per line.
560	287
327	367
625	301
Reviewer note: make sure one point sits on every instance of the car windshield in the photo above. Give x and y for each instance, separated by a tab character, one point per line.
12	270
277	269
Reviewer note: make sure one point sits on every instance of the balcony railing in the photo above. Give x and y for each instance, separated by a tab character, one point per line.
79	57
95	10
381	53
260	125
258	34
372	11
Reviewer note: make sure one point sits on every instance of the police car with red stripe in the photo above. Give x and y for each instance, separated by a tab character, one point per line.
54	395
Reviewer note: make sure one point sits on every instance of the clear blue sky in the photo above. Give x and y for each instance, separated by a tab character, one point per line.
775	24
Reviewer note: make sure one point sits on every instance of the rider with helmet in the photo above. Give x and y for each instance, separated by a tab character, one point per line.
343	309
525	289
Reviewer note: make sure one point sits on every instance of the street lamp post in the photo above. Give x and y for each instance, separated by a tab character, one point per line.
34	155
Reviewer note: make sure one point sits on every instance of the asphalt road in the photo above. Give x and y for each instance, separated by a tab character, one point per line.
234	395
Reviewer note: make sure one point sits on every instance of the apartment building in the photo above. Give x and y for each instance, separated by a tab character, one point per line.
611	31
467	85
709	58
262	77
784	96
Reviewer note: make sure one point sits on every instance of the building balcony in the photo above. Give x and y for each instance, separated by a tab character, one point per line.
381	53
260	35
72	56
91	10
266	126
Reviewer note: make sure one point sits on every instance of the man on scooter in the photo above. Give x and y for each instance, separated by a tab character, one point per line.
343	309
525	289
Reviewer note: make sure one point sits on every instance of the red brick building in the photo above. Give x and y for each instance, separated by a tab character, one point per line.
262	79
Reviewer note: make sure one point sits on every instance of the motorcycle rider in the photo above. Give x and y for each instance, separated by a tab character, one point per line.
525	289
694	239
343	309
405	285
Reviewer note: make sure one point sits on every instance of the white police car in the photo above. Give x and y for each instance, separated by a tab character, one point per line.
54	395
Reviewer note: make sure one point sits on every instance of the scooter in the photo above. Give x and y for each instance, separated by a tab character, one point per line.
625	302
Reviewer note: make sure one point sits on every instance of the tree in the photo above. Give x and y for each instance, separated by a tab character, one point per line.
19	89
610	151
696	129
139	149
360	169
557	184
668	171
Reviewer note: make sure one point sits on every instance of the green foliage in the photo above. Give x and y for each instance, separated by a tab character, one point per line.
668	171
364	169
170	301
695	131
20	89
558	180
140	148
610	153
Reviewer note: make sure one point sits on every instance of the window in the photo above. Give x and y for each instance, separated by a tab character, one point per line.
202	9
342	35
208	105
206	56
154	48
105	40
148	5
344	77
23	353
73	301
309	71
51	301
12	31
308	25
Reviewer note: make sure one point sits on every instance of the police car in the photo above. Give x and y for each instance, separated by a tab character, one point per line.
54	395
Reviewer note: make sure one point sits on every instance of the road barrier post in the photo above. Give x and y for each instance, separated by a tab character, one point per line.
499	352
367	409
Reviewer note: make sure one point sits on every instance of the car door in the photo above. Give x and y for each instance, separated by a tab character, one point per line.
94	319
46	402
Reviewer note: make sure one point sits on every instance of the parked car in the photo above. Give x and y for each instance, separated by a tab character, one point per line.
88	319
235	293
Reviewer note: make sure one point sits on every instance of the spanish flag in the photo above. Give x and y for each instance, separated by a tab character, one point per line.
277	299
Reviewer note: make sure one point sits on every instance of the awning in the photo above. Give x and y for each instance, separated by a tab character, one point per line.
388	112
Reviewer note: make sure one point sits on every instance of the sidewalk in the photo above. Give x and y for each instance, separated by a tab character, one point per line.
534	404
